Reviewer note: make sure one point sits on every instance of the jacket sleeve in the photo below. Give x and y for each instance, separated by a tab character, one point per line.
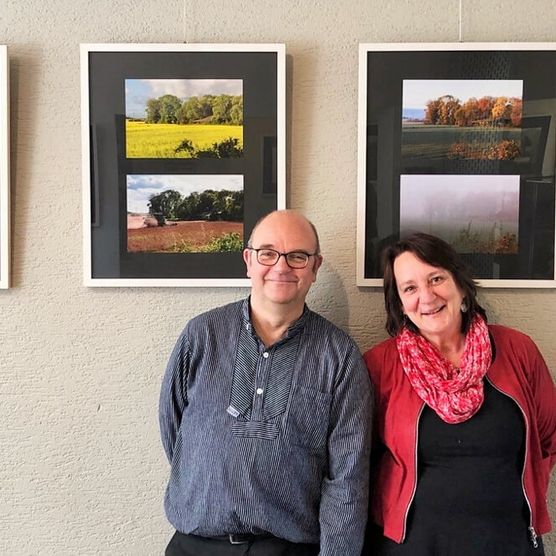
173	394
345	489
545	403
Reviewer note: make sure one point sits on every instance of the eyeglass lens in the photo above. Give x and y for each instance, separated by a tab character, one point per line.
295	259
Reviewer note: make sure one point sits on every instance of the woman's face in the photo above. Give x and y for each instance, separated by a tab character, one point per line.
430	297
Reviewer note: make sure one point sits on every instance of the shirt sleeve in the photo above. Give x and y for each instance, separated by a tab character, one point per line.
345	489
545	400
173	395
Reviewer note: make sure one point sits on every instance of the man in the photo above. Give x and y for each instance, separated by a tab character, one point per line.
265	414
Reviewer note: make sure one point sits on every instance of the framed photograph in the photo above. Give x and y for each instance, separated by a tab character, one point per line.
183	152
4	170
459	141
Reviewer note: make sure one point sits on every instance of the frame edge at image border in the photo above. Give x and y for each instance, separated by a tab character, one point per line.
5	240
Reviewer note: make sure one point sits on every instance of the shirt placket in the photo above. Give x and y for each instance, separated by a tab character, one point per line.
264	362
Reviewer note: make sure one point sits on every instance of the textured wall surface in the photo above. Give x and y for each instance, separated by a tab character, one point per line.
81	466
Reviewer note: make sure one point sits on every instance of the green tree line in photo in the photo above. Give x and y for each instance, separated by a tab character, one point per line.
209	205
206	109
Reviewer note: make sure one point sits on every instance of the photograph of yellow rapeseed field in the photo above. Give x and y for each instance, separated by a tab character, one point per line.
184	118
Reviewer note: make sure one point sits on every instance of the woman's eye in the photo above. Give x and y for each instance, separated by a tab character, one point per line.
409	289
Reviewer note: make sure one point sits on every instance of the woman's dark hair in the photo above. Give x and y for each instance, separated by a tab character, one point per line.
436	252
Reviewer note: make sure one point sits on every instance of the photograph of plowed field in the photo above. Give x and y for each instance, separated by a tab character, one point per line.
196	236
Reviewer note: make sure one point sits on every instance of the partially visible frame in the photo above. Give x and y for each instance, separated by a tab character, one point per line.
4	170
183	151
433	158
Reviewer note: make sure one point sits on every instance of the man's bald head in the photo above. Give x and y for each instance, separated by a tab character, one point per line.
287	215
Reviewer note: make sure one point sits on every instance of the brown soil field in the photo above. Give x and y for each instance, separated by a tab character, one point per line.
196	234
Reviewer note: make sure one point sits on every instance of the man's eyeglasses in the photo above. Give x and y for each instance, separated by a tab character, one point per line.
294	259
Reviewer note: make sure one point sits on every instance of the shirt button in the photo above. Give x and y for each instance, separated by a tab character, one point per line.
260	391
265	354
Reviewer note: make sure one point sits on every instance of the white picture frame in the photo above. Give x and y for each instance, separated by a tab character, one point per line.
393	147
110	160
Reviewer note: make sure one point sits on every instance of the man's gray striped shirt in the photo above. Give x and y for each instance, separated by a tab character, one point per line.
267	440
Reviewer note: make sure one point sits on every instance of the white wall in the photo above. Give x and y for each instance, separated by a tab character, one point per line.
81	466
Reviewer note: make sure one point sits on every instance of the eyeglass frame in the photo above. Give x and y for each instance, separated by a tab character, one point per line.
285	255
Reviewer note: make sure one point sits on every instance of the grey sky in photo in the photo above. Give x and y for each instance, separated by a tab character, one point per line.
140	187
138	91
417	92
445	199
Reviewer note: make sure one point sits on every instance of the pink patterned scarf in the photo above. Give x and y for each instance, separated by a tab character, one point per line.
455	394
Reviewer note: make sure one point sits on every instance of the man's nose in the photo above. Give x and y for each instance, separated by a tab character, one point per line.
282	263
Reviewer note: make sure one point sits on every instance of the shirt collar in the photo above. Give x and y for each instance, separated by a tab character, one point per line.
294	329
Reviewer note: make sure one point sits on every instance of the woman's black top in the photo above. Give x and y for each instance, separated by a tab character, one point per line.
469	499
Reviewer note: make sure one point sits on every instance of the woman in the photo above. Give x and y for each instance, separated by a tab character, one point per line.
466	418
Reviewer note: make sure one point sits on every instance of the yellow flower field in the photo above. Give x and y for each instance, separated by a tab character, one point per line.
160	140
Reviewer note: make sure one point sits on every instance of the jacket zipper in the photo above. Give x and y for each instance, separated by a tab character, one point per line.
531	529
415	479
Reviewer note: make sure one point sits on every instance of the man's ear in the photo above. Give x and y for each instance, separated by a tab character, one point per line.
247	259
317	264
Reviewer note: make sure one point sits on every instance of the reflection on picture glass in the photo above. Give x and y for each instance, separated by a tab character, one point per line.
474	213
184	213
184	118
469	119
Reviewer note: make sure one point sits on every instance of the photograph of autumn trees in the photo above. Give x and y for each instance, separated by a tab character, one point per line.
184	118
474	213
469	119
184	213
